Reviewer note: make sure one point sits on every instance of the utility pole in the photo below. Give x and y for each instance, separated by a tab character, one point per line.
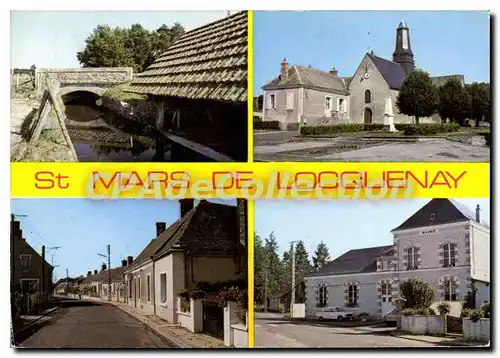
42	280
292	301
109	272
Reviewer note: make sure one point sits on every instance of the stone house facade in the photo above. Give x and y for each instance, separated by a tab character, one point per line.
443	243
306	96
203	245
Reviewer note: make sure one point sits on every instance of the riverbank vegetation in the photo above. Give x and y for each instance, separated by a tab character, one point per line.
49	147
119	93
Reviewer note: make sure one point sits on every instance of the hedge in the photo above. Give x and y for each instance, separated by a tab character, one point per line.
275	125
430	128
340	128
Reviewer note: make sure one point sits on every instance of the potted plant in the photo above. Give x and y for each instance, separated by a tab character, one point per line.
184	301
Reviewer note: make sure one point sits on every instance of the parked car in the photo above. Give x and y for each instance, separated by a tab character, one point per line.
334	313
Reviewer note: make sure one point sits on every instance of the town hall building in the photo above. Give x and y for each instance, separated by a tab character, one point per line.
444	243
303	95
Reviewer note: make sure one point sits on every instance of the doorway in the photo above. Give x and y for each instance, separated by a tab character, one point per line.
368	114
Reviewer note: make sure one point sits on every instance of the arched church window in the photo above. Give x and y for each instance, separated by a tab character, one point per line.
368	96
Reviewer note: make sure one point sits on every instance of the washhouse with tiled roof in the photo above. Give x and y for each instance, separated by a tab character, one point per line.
200	86
444	243
302	95
206	244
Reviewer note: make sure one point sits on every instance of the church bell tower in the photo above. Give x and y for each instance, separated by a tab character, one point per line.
403	54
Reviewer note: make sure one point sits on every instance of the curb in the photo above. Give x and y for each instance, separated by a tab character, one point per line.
170	338
32	323
450	344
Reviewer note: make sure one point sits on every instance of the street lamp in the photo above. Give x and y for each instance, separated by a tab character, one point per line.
109	270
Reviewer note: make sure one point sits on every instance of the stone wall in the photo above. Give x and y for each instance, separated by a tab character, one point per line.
432	325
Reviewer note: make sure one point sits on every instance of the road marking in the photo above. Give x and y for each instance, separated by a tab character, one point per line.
273	325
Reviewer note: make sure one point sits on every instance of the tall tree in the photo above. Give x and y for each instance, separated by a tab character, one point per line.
302	263
259	255
480	94
454	102
418	97
272	266
321	256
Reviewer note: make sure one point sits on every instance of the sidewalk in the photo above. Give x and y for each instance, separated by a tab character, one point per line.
444	341
176	334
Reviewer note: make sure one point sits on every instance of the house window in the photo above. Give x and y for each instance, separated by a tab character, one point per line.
163	287
272	101
322	298
130	289
25	262
449	254
412	263
148	283
328	103
450	290
341	106
386	292
385	263
352	295
289	101
368	96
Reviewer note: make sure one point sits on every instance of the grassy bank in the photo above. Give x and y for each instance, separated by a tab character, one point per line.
49	147
119	93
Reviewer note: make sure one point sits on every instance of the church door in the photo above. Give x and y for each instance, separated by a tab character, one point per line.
368	116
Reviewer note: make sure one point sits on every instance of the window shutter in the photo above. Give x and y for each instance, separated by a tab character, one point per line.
289	101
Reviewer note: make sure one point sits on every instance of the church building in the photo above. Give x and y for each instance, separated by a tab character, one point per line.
444	243
302	95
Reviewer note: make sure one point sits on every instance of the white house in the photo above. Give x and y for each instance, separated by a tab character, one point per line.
205	245
444	243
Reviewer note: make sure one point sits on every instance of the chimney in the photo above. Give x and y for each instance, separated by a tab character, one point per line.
284	70
89	273
130	259
95	272
124	263
333	72
185	206
478	214
160	227
103	267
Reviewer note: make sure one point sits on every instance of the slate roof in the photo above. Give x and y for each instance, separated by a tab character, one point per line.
446	211
354	261
392	72
208	228
441	80
102	276
302	76
209	62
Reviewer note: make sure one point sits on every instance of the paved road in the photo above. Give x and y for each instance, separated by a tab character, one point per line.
80	324
273	332
326	150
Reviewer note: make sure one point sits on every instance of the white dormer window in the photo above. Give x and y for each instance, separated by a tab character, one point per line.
272	101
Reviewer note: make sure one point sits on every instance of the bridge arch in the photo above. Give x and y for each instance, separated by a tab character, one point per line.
99	91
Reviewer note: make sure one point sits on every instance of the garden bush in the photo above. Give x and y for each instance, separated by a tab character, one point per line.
272	125
465	312
198	294
408	312
444	308
430	128
475	315
340	128
486	309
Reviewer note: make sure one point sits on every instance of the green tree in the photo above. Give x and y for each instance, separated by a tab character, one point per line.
272	266
480	94
302	263
418	97
258	269
454	102
417	293
321	256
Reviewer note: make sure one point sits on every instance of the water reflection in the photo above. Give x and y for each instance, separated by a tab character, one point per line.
99	135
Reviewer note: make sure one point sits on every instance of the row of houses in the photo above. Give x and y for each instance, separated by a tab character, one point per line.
206	245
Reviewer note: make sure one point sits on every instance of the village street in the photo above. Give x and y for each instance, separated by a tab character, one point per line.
274	331
80	324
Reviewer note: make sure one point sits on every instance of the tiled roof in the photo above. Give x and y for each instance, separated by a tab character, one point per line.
441	80
208	228
302	76
209	62
102	276
392	72
443	211
354	261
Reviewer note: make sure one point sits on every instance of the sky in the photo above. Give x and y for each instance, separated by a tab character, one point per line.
342	225
83	228
443	42
51	39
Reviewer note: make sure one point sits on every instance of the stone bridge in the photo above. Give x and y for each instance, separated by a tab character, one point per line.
95	80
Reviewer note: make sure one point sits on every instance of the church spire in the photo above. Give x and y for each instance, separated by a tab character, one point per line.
403	54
